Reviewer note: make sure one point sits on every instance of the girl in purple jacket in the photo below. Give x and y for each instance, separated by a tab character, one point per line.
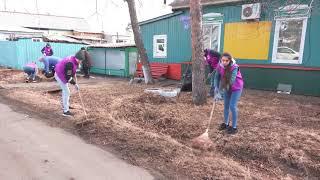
229	76
212	60
65	73
47	50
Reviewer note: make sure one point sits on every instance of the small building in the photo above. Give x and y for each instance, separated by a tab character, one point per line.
117	59
275	42
10	33
61	39
61	28
120	38
48	24
89	37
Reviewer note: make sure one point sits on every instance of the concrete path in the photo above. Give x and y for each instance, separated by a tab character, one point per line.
31	150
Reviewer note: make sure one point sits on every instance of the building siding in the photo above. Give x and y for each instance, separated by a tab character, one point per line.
179	49
179	46
8	55
179	39
102	60
303	82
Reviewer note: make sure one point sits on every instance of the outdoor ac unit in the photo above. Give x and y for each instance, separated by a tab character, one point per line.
251	11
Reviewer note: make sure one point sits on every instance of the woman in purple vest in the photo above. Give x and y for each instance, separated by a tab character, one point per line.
47	50
229	76
212	60
65	73
31	69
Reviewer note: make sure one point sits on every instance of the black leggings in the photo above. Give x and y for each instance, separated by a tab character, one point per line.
86	71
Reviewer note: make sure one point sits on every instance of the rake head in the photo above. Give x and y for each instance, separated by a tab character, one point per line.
202	142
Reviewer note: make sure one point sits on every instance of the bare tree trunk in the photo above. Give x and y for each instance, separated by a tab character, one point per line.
199	95
139	42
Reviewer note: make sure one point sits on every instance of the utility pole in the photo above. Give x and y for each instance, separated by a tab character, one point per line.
5	5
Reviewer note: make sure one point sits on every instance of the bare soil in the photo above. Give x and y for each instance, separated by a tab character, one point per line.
13	76
278	137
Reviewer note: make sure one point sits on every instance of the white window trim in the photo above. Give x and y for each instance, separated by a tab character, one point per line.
276	40
35	40
155	37
220	28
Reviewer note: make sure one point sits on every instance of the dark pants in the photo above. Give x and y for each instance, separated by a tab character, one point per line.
52	69
86	71
30	72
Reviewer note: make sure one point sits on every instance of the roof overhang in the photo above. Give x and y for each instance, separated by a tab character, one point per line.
112	45
184	5
160	18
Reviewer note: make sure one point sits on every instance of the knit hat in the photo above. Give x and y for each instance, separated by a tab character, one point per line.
80	55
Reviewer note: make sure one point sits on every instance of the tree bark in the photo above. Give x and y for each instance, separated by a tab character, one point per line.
139	43
199	94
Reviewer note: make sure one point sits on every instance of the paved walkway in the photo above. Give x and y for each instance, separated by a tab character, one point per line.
31	150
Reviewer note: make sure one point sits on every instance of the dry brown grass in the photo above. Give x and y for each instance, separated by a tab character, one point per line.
278	135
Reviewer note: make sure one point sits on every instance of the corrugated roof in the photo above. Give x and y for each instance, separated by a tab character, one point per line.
43	21
10	28
113	45
86	38
180	4
60	38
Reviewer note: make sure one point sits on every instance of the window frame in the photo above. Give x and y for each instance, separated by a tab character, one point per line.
219	24
276	40
155	46
36	39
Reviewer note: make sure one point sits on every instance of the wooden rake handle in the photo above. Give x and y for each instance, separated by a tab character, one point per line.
211	114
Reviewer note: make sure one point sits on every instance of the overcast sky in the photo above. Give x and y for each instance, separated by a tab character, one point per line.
113	14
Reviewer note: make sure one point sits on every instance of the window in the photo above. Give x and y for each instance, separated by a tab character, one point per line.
211	36
289	40
285	50
160	46
3	37
36	40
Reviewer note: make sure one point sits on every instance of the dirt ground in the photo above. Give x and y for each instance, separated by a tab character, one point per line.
279	136
12	76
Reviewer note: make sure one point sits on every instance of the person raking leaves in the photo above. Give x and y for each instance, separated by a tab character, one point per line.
229	76
65	73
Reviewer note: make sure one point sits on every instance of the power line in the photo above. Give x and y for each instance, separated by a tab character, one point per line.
115	4
96	13
5	4
37	9
140	3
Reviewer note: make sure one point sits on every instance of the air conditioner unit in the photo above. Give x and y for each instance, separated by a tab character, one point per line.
251	11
